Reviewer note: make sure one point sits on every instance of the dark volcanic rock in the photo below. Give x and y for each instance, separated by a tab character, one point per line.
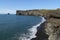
41	35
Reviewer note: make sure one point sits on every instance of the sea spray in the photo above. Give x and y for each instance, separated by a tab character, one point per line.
32	31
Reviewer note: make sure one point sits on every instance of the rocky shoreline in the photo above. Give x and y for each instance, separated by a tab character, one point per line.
41	35
49	30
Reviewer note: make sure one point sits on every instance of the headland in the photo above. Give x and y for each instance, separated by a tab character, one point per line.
50	29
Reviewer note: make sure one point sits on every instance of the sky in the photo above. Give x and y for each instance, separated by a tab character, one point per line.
10	6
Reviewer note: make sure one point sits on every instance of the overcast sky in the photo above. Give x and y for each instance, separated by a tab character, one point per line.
12	5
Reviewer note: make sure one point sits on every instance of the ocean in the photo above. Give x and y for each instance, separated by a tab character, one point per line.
19	27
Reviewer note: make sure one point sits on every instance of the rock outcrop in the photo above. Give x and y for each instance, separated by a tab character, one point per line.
52	27
52	24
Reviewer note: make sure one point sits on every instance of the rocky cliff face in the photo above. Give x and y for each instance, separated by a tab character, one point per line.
30	12
52	24
52	27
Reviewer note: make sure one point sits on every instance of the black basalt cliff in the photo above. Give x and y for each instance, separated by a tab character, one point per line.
50	29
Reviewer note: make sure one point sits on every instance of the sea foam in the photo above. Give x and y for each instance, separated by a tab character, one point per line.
32	31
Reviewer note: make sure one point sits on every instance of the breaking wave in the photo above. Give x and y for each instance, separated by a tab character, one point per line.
31	31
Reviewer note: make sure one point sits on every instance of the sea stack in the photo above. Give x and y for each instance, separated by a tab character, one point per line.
8	13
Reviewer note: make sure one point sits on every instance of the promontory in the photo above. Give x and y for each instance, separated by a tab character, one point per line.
51	27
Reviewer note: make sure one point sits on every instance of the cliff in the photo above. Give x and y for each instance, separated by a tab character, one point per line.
51	26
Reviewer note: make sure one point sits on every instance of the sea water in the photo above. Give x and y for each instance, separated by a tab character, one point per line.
19	27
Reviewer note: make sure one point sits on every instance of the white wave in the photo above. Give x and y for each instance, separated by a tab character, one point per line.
32	32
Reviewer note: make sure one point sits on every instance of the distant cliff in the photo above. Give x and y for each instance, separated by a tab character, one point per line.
43	12
29	12
52	24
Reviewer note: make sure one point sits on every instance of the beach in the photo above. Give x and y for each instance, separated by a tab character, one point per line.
41	35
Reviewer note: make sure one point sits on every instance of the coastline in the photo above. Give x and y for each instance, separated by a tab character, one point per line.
51	27
41	35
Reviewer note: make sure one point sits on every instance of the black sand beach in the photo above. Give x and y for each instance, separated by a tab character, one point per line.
41	35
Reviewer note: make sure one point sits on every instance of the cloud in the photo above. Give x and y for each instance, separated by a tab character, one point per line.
5	11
